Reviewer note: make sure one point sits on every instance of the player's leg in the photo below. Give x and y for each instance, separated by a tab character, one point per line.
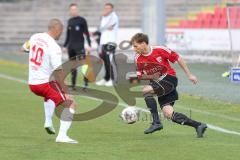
182	119
151	103
49	107
108	56
65	110
109	76
66	118
111	47
74	78
160	88
107	66
52	91
85	80
113	68
81	54
105	59
82	57
72	56
167	101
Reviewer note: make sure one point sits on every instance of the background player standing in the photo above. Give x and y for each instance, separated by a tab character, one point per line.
109	28
149	60
76	29
45	57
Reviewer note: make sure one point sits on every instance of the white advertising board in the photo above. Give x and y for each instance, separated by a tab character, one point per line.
202	39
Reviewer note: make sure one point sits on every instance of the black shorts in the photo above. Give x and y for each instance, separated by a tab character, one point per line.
74	54
166	90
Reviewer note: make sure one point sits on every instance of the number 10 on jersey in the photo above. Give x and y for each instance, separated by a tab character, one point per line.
37	54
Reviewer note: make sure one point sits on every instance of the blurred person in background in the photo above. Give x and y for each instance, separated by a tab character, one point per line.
108	29
77	28
96	36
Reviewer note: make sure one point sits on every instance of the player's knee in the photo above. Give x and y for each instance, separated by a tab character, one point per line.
147	89
68	103
167	114
167	111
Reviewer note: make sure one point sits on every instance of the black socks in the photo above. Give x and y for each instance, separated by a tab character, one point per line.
184	120
152	105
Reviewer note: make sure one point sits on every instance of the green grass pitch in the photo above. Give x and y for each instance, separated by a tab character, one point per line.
22	136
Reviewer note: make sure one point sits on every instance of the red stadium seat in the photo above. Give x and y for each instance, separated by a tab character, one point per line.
209	16
223	24
198	24
190	24
218	19
215	23
201	16
206	24
218	11
237	25
183	24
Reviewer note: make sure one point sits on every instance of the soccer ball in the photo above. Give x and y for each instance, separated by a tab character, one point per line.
130	115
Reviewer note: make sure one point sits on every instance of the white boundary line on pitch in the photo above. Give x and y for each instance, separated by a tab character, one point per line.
211	114
210	126
13	78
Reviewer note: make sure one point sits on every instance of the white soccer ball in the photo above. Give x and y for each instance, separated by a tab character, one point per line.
130	115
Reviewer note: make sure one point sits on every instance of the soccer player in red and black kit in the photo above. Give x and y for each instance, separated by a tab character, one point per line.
76	29
153	64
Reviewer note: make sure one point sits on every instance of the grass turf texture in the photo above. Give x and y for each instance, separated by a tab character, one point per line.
22	135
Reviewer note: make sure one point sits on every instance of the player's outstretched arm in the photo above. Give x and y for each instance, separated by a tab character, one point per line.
185	68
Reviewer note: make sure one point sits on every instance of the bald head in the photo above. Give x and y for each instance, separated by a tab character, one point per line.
53	23
55	28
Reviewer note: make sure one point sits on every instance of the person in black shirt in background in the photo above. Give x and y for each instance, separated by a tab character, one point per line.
76	29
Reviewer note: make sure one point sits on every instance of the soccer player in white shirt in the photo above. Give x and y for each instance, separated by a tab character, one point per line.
45	58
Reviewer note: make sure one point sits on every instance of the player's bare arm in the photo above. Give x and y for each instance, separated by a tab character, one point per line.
58	75
185	68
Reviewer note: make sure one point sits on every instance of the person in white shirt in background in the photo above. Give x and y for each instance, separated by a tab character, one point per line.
45	59
109	28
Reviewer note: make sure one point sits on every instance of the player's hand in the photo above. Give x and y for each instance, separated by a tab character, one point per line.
110	28
69	97
91	34
88	50
64	50
156	76
193	78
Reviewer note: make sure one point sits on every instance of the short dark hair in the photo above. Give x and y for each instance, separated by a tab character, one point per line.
139	38
73	4
109	4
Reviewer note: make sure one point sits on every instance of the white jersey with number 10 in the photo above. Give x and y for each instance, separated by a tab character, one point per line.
45	56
